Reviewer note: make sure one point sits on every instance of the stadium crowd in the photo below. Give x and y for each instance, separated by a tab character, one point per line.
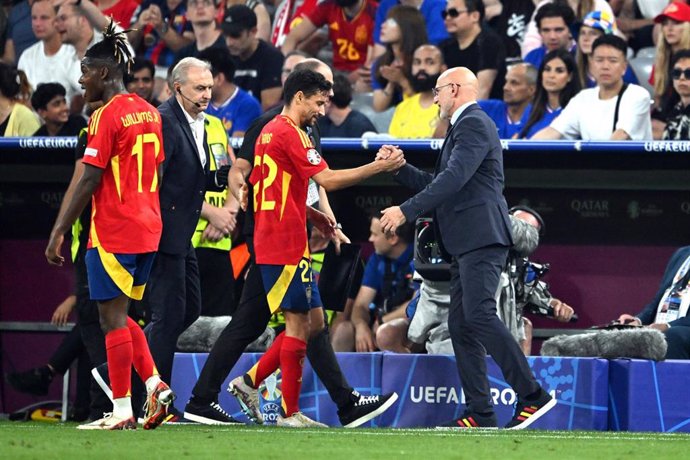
549	69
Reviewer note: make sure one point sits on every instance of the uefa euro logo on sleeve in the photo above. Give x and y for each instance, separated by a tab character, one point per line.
271	399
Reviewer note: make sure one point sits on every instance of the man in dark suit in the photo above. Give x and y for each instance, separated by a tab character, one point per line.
173	295
471	219
668	310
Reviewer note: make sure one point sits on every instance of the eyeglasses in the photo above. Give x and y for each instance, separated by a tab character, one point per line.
676	73
201	3
438	89
452	12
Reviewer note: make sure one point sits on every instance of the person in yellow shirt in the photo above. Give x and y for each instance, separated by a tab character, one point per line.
417	116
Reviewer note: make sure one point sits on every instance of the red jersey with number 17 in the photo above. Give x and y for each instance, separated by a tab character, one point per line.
126	141
284	160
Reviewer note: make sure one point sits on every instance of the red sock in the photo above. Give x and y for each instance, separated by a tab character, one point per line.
141	358
268	363
118	347
292	356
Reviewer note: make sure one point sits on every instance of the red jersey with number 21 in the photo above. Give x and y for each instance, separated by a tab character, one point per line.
125	140
284	160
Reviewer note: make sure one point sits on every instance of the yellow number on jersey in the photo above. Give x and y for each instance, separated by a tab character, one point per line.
138	150
266	205
347	50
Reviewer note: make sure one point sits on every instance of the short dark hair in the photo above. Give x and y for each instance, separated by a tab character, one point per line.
304	80
220	60
555	10
611	40
475	5
680	54
45	93
137	65
405	231
342	91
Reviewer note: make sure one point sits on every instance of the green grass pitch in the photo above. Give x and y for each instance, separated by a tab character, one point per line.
32	440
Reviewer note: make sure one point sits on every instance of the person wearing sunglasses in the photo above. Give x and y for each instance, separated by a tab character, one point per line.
678	123
480	50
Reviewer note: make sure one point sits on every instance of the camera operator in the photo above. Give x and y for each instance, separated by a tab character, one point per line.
520	288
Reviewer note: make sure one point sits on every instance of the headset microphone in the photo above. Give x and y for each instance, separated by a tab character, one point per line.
179	91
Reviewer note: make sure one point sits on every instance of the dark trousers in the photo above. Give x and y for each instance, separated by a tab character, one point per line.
248	322
92	336
678	340
217	283
173	301
476	330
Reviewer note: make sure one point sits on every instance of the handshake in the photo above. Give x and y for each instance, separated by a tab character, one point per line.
390	158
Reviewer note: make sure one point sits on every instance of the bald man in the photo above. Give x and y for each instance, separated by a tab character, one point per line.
253	314
465	193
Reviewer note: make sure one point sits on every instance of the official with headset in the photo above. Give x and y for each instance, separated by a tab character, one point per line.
173	296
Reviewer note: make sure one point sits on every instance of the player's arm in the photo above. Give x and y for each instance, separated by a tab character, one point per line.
336	179
73	208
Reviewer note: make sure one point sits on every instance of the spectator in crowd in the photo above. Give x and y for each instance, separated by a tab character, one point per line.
15	118
557	84
510	23
74	29
580	7
235	107
479	49
263	18
49	102
19	34
291	60
678	122
288	14
341	120
675	36
139	80
668	312
202	14
350	30
613	109
511	113
392	71
417	116
595	24
257	63
385	292
430	9
120	10
49	60
554	21
159	29
635	19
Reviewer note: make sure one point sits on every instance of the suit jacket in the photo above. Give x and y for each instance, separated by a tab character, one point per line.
648	315
184	180
466	190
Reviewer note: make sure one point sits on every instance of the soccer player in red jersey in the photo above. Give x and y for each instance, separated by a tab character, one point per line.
121	175
285	160
350	30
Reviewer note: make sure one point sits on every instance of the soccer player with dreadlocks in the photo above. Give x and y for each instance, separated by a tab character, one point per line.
122	173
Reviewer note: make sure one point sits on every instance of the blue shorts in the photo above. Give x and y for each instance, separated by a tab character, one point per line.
290	287
111	275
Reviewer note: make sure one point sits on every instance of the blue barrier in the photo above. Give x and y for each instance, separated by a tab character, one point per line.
374	143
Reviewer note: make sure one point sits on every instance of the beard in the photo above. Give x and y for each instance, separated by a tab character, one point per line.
423	83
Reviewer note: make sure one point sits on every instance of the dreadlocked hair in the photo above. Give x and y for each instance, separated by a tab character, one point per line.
113	47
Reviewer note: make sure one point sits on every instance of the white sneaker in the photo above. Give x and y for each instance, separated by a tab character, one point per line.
299	420
110	422
247	397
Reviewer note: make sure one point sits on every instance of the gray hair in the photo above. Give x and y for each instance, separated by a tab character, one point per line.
531	72
181	70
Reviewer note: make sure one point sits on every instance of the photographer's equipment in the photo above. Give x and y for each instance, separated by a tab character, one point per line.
428	259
